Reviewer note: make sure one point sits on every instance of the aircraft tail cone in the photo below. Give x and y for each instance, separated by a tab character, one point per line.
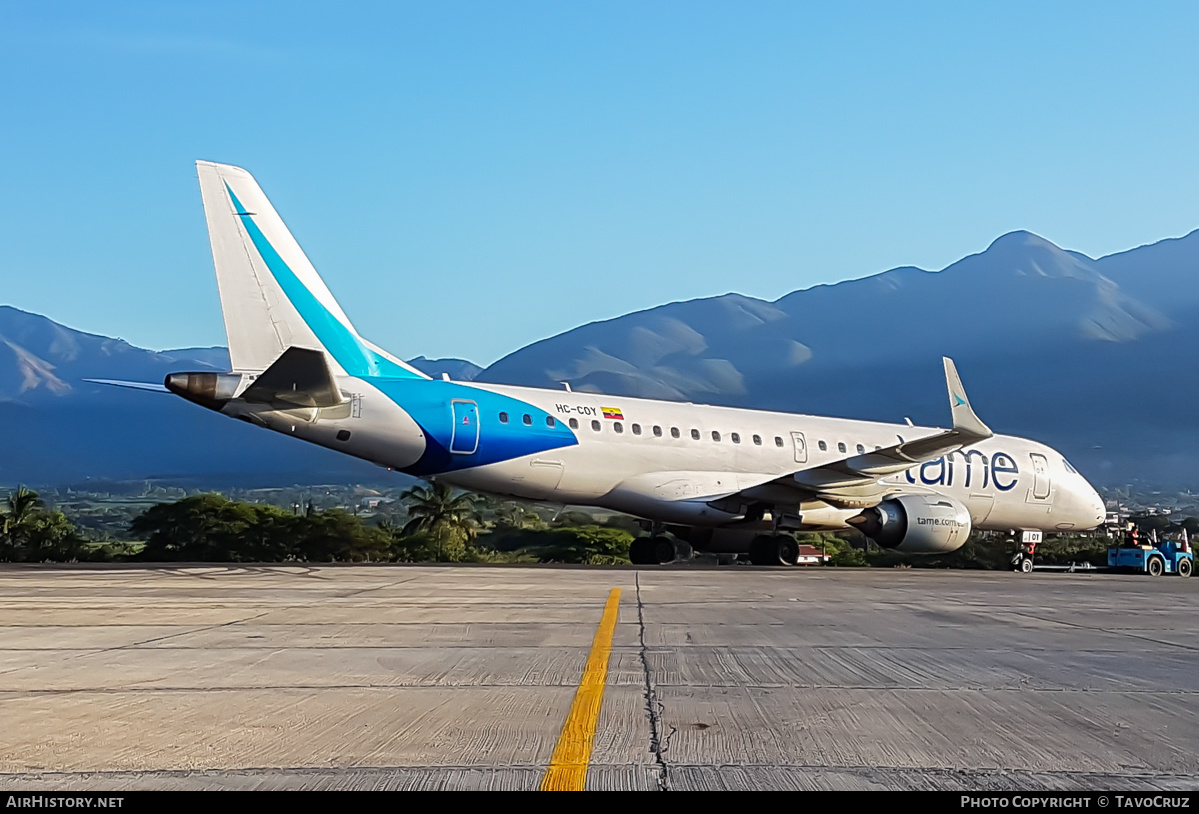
211	390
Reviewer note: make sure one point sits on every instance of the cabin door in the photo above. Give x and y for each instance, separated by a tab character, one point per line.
801	447
464	439
1041	485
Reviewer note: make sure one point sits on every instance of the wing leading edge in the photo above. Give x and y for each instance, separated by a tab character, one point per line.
854	481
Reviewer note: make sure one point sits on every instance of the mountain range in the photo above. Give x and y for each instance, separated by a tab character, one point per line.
1095	357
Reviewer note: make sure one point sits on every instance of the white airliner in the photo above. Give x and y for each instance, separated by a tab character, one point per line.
723	480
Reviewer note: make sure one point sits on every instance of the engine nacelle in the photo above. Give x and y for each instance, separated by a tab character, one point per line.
920	524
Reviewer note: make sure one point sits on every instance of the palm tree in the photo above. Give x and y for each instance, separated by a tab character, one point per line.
511	515
516	516
452	519
22	507
29	533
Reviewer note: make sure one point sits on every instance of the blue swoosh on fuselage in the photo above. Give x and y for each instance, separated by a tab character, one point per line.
429	404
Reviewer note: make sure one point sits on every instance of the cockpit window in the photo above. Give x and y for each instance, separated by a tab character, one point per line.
1069	468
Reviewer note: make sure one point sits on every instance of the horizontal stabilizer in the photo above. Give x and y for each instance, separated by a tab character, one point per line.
153	387
299	378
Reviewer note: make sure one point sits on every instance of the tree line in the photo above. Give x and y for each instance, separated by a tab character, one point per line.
440	525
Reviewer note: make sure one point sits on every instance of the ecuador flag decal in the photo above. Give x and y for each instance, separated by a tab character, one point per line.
613	412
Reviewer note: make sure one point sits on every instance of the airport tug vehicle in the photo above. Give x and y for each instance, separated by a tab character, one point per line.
1154	559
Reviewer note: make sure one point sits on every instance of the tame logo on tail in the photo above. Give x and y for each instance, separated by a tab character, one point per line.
271	295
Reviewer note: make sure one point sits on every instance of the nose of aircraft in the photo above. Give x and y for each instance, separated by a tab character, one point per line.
1094	510
1079	502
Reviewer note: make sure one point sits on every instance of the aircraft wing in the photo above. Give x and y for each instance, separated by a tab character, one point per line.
854	480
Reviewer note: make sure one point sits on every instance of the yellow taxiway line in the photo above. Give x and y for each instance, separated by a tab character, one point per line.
572	755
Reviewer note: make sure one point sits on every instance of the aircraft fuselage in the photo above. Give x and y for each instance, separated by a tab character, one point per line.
665	461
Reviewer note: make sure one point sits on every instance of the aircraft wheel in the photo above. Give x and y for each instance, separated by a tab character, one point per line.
760	551
1156	566
662	549
641	551
1184	568
786	550
1026	566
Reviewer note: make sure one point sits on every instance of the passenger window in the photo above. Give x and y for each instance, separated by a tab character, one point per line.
503	418
840	446
758	440
636	429
595	425
674	432
861	449
715	435
823	446
657	431
618	427
528	419
735	438
778	441
574	423
695	435
549	421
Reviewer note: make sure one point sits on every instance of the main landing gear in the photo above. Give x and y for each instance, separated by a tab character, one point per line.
777	549
766	549
651	550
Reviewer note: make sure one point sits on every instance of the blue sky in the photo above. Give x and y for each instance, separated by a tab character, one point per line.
472	177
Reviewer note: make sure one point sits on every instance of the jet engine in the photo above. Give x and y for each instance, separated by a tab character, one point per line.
921	524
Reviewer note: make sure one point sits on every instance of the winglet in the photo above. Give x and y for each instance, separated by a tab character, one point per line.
964	419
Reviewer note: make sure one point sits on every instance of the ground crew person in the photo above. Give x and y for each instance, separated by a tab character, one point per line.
1131	538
